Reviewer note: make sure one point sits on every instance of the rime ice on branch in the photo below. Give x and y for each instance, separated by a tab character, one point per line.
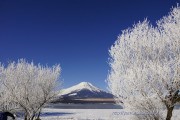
27	86
145	66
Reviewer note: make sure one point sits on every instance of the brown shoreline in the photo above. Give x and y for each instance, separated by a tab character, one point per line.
86	100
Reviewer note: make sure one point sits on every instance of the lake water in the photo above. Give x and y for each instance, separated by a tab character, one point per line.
84	106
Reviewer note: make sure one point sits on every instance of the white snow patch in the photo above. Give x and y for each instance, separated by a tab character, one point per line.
78	87
91	114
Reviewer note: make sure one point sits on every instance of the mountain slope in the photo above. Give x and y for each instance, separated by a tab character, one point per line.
84	90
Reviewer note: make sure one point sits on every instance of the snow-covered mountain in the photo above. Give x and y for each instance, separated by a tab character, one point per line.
84	90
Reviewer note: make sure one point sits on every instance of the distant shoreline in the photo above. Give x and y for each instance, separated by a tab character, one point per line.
86	100
84	106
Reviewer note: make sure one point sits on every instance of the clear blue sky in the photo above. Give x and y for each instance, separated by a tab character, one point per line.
75	33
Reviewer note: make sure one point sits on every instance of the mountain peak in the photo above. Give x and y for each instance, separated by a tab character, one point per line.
84	90
85	84
81	86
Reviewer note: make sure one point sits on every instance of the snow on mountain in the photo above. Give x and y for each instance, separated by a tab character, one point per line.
80	86
84	90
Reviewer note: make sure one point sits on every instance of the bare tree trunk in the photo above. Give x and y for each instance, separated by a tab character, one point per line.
39	113
33	117
25	117
169	113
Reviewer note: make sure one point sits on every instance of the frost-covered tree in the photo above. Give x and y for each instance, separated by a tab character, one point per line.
6	101
30	86
145	66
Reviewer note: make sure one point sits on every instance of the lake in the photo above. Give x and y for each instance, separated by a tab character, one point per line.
84	106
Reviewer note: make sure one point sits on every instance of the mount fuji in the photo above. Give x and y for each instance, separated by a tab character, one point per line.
84	91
